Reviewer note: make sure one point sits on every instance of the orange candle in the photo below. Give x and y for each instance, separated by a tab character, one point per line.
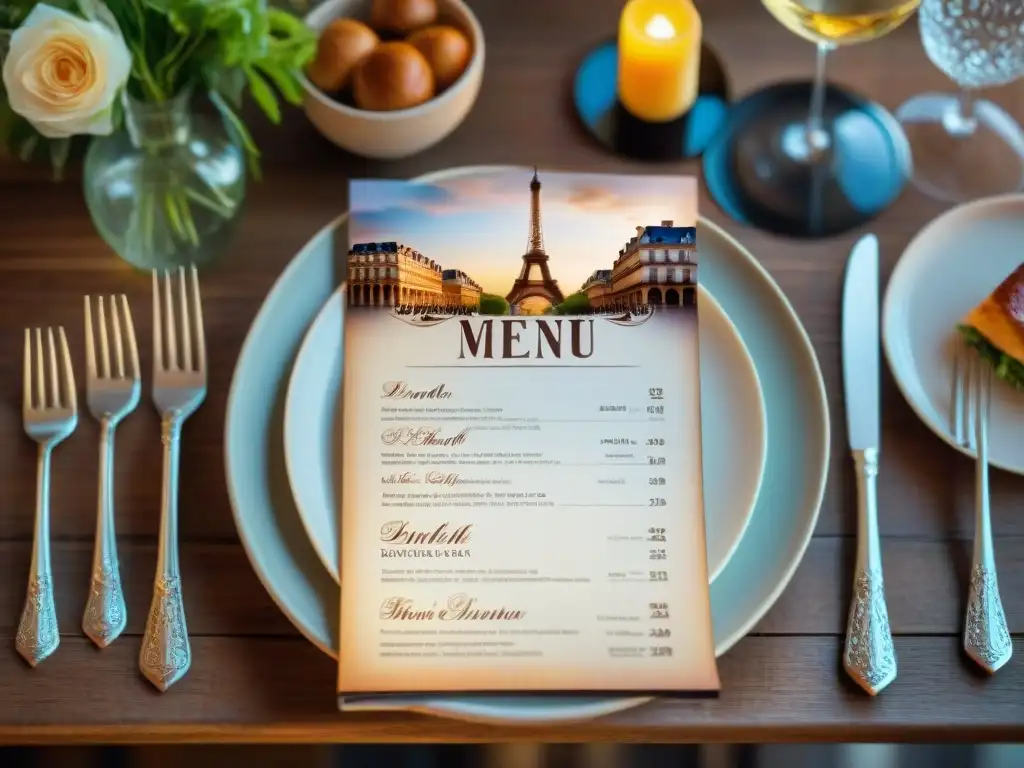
659	58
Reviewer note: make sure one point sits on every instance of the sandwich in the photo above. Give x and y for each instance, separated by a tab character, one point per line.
995	328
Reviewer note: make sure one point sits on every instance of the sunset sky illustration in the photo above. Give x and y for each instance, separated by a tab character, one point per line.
480	223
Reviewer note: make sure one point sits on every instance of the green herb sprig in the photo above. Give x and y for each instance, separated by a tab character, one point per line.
230	47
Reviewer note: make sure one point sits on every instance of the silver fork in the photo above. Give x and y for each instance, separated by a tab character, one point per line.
112	391
179	386
50	412
986	637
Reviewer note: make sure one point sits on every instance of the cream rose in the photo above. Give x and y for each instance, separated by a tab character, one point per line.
62	73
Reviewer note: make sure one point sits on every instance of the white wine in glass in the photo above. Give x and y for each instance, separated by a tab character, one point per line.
811	159
841	22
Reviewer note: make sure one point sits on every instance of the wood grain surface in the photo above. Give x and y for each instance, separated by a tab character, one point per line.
253	678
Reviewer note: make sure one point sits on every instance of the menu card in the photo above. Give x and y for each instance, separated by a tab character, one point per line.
521	505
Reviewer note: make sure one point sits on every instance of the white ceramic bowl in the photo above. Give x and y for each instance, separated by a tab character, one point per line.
404	132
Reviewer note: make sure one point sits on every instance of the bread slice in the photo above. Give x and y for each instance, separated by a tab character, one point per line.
996	329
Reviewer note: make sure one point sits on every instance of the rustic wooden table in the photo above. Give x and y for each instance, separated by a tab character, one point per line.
254	678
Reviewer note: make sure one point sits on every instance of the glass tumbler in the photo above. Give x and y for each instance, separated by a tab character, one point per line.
965	147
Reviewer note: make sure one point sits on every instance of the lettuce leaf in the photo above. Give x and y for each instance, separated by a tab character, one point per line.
1006	368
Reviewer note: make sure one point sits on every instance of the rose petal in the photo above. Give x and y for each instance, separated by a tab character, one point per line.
101	123
52	130
62	72
42	14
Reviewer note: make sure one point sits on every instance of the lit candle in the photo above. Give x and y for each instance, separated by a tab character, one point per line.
659	58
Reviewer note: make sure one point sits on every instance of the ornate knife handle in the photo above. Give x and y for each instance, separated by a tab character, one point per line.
986	636
105	614
869	657
38	636
166	655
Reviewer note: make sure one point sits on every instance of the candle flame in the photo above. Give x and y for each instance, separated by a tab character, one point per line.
660	27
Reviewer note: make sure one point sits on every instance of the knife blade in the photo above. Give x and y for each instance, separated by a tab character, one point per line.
861	346
869	656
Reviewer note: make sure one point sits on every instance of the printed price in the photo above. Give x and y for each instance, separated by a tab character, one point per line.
656	481
656	409
659	575
658	610
661	650
655	393
657	554
656	502
659	632
656	461
655	534
655	441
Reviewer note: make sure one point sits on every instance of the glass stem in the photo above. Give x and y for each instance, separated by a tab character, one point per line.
960	119
818	138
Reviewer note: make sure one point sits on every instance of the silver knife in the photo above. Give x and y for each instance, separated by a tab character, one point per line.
869	657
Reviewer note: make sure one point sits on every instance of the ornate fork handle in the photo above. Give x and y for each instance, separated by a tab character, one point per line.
986	636
38	635
105	614
870	657
166	654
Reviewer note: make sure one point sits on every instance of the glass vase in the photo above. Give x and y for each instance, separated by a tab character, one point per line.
165	190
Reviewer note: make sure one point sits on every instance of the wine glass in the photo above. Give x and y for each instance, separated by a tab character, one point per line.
965	147
812	159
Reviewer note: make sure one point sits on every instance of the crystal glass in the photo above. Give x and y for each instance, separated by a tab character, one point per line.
965	147
811	159
165	190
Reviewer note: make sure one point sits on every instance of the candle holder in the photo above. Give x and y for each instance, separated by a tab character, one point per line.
596	101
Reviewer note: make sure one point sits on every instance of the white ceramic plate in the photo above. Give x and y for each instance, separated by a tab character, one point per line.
732	418
950	266
765	560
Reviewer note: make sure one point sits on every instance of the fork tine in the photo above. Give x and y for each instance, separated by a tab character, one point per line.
40	373
957	399
965	399
971	387
987	374
101	320
129	330
186	333
51	358
26	383
158	333
197	313
90	346
69	372
172	337
983	383
115	323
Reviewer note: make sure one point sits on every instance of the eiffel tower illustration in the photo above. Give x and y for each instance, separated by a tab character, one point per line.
535	261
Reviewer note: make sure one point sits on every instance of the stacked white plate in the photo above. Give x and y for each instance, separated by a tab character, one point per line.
765	434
